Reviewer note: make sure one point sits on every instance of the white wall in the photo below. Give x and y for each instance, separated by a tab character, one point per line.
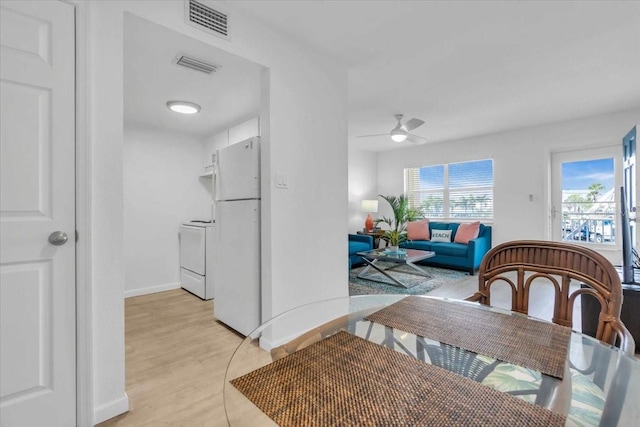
162	189
363	184
304	137
244	130
521	167
107	202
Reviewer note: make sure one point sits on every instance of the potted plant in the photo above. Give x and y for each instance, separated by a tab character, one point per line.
393	239
402	214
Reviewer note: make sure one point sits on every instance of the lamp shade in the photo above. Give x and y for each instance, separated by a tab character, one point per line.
369	206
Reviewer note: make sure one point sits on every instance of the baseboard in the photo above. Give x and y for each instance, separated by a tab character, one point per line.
151	289
267	343
111	409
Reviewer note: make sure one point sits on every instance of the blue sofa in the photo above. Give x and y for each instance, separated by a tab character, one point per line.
358	243
454	255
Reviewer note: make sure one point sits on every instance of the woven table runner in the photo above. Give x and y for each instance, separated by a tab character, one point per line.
344	380
540	346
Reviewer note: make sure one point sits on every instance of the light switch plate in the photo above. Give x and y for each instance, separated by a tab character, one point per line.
282	181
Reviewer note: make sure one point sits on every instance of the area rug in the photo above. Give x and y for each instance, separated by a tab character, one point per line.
421	284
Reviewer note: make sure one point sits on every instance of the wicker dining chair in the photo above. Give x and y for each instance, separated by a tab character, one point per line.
560	263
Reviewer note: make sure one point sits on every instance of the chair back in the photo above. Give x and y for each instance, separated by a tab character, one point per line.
560	263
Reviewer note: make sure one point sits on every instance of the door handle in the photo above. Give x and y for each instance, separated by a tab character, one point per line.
58	238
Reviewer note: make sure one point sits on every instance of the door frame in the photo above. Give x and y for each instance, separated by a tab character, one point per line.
84	312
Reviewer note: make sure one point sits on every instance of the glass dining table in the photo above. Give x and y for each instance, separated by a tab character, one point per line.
600	385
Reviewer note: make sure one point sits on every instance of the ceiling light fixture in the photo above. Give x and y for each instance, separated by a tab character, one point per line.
398	135
401	131
183	107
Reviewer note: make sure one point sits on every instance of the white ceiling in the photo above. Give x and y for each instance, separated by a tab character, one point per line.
466	68
469	67
151	79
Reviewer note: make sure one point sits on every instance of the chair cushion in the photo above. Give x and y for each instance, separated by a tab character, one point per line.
422	245
450	249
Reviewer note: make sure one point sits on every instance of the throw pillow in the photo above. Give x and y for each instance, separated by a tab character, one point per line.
418	230
467	231
441	236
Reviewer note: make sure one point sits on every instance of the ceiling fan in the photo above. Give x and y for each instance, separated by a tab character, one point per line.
401	131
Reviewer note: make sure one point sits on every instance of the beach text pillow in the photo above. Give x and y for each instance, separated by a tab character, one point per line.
441	236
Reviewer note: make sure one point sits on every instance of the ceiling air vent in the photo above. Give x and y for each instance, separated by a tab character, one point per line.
206	18
195	64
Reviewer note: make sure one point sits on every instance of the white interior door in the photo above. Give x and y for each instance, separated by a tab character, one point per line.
37	188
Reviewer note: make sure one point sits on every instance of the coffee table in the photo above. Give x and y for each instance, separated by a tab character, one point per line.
399	258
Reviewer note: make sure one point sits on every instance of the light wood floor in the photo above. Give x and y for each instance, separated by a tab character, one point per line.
177	353
176	357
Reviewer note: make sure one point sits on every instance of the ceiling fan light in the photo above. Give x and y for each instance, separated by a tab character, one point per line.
183	107
398	135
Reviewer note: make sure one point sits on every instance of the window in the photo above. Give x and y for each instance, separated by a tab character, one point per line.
455	190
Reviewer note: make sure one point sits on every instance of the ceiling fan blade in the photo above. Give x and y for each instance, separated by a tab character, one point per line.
413	123
368	136
415	139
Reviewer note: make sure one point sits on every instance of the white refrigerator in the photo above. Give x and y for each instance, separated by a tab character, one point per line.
236	272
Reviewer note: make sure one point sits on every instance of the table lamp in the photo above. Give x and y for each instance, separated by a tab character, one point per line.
369	206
